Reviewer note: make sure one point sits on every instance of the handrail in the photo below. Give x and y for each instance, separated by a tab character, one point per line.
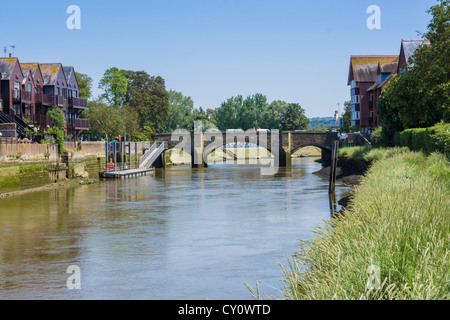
153	153
147	154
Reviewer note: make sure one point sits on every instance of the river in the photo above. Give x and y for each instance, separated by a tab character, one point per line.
182	235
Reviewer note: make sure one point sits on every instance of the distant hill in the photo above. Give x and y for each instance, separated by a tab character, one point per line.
320	123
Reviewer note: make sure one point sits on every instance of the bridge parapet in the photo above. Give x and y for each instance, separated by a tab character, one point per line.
286	142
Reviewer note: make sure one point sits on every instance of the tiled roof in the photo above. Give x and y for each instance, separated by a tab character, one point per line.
68	71
410	46
50	72
29	67
7	67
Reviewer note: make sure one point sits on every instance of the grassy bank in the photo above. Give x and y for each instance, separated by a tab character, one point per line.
398	221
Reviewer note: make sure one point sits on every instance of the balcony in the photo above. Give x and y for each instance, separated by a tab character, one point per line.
78	103
78	124
44	99
59	101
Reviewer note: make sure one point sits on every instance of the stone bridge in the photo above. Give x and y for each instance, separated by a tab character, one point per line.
281	144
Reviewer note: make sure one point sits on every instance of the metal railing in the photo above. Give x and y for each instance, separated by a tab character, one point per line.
122	166
153	153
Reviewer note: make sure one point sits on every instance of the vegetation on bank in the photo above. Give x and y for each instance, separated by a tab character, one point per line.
398	221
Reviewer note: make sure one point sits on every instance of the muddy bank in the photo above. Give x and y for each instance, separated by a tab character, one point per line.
51	186
346	176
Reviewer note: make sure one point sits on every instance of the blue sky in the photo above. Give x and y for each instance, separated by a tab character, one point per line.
211	50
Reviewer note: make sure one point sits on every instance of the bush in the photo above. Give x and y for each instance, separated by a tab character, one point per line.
428	140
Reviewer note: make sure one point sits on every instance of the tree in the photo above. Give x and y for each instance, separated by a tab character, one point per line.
227	113
295	118
285	116
57	118
422	94
148	97
180	114
347	117
104	119
390	119
84	85
114	84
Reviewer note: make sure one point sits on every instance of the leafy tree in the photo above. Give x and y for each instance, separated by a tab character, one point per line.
251	113
57	118
147	95
180	114
390	119
285	116
227	114
422	94
130	120
84	85
104	120
114	84
347	116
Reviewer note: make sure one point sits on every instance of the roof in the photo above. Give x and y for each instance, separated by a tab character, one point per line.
29	67
387	67
7	67
365	68
377	85
68	71
50	72
410	46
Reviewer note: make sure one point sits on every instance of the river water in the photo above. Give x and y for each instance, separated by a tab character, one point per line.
182	235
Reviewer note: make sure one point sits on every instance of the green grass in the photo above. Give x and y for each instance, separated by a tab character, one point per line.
399	221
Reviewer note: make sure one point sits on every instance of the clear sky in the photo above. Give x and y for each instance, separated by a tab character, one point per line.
211	50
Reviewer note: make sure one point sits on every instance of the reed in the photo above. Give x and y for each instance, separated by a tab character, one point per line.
398	221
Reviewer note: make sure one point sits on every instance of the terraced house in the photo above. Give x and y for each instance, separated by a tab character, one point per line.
28	90
369	75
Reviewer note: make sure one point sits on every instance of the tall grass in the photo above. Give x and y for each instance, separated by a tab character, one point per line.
399	221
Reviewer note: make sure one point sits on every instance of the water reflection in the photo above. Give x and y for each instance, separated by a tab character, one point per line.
181	234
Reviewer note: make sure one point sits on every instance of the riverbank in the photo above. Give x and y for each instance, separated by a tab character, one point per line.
27	177
396	228
51	186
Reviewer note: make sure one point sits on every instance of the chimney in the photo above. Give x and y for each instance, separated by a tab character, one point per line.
336	115
10	54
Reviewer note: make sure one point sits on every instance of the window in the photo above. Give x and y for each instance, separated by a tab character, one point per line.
354	84
29	87
75	93
58	91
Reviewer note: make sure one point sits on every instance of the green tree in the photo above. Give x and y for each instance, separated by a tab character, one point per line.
227	113
390	119
84	85
285	116
147	95
114	84
180	114
422	94
57	118
104	120
347	117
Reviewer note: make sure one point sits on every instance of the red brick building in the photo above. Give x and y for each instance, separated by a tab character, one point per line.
28	90
363	74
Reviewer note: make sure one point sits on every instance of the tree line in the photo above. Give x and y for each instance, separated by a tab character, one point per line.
135	105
